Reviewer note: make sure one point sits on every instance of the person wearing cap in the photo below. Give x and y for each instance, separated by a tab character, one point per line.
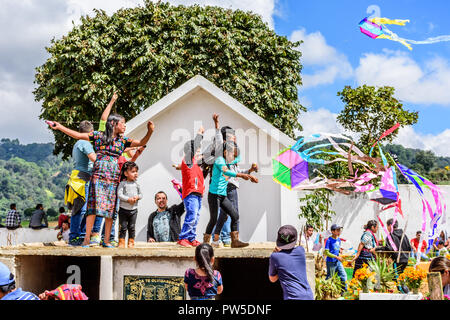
8	289
334	261
288	264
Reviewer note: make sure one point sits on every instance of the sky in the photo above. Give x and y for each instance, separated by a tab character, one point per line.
334	54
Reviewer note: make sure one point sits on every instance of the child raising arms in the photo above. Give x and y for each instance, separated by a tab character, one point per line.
203	283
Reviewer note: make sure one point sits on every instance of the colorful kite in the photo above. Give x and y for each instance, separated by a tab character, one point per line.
376	29
435	215
291	165
289	169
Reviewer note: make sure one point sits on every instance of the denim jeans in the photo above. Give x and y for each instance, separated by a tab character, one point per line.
193	204
337	266
423	256
78	221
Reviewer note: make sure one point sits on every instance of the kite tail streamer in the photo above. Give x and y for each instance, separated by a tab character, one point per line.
387	234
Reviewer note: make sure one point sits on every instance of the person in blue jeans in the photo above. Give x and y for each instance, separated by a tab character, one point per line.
334	261
83	156
228	134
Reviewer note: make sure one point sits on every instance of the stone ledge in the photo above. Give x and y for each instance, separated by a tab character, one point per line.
142	249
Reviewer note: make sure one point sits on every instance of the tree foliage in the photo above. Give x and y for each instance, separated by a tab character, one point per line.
146	52
424	162
41	179
370	111
316	209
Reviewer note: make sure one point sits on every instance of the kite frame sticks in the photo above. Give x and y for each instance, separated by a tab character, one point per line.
294	160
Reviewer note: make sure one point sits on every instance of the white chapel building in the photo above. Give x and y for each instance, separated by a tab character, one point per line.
263	207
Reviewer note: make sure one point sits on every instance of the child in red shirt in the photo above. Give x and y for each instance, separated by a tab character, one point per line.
192	190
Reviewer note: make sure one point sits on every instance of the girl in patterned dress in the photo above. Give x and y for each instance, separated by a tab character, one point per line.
108	145
203	283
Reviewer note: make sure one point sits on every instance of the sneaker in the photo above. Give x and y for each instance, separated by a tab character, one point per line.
227	244
107	245
216	244
76	242
195	243
114	243
95	241
184	243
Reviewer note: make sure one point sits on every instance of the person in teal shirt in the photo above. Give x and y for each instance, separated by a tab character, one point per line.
217	197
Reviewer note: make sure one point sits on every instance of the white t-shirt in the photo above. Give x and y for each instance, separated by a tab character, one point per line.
312	246
65	235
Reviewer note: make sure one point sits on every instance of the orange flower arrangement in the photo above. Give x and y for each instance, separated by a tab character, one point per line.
363	275
412	277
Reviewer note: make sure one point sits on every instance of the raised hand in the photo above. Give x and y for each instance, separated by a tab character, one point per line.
201	130
150	126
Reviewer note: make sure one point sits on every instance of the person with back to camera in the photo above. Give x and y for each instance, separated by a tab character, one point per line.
13	218
203	282
288	264
192	190
8	290
442	265
39	218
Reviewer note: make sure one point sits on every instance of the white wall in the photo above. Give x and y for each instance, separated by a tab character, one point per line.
259	204
26	235
353	212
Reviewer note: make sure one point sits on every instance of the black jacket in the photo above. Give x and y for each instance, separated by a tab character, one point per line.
175	211
405	247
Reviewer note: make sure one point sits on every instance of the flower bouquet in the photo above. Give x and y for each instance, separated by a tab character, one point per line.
412	277
363	275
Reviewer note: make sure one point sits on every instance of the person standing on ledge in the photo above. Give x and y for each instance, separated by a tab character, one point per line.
288	264
109	145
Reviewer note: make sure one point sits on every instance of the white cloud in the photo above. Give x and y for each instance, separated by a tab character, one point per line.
323	120
328	63
425	84
320	120
439	144
265	8
27	26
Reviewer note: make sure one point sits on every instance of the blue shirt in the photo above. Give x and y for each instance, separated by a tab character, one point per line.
80	152
333	245
219	182
290	266
18	294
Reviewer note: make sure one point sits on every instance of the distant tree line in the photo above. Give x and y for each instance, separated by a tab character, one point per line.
31	174
424	162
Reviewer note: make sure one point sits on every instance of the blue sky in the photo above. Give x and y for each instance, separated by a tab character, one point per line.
337	22
335	54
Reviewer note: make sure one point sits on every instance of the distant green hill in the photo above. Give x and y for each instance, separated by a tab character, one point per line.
31	174
423	162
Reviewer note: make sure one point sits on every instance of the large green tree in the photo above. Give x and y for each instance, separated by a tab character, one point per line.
370	111
146	52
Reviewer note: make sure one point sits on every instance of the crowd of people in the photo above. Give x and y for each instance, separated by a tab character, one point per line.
103	187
